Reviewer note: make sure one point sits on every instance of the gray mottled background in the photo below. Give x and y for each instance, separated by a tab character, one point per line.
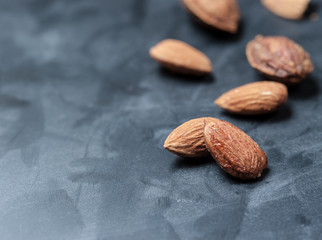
84	112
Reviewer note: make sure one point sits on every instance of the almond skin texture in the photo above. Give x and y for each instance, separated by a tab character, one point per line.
220	14
180	57
187	140
234	151
290	9
254	98
279	58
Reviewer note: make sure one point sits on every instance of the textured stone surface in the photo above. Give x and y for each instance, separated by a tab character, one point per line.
84	113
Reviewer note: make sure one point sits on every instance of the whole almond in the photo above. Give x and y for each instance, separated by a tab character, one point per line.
279	58
180	57
254	98
234	151
220	14
187	140
290	9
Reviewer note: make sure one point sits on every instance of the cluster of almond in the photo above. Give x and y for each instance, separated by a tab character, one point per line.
234	151
278	58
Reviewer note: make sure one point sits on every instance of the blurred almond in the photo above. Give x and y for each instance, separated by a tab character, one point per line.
220	14
279	58
187	140
290	9
254	98
180	57
234	151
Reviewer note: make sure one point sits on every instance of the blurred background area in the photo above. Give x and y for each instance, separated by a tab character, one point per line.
84	113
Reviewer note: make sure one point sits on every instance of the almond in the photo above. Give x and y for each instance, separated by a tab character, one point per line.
254	98
180	57
279	58
220	14
234	151
187	140
290	9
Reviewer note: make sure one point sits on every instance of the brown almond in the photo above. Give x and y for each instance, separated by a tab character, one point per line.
180	57
290	9
254	98
279	58
234	151
220	14
187	140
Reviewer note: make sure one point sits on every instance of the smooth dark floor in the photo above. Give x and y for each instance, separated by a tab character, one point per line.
84	113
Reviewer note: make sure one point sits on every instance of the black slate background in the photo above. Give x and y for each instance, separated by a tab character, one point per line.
84	113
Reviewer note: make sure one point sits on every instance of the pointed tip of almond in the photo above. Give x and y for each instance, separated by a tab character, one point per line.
166	144
169	148
208	68
152	52
219	102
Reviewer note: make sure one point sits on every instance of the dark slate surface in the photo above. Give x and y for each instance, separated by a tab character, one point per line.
84	112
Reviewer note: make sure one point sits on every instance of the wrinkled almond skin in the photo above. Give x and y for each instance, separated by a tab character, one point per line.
290	9
279	58
254	98
234	151
187	140
220	14
180	57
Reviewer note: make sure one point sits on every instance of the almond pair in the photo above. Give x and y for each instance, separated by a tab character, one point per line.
234	151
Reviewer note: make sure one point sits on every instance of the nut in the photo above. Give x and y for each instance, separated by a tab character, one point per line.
254	98
290	9
187	140
234	151
180	57
220	14
279	58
